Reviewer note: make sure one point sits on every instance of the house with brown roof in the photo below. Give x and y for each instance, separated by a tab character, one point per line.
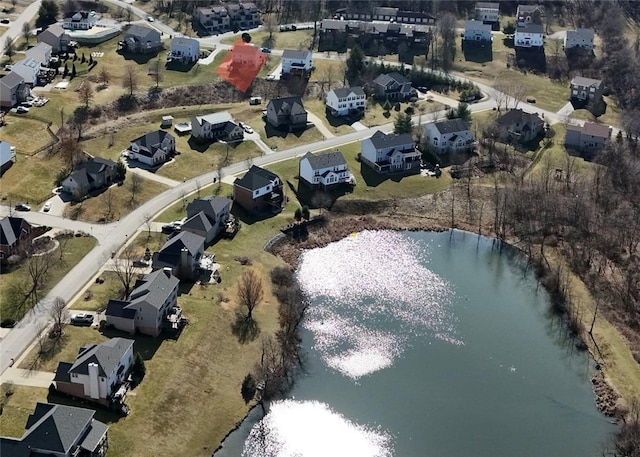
393	87
517	125
587	137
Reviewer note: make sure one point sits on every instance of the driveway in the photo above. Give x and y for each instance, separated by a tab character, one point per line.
359	126
320	125
151	176
275	74
30	378
566	110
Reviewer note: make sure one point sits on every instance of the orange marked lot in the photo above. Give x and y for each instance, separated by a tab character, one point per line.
241	65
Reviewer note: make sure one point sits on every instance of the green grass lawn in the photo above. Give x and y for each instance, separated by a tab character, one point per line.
94	209
17	408
26	134
74	250
95	298
63	350
30	179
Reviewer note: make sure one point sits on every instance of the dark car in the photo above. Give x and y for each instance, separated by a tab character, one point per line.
172	227
266	50
23	207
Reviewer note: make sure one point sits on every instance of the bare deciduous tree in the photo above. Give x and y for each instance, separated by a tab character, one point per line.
250	292
26	32
155	71
135	184
124	269
130	79
59	315
108	200
9	50
38	269
85	93
147	223
104	75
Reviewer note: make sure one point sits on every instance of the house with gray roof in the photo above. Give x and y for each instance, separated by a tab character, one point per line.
487	12
207	216
324	170
393	87
98	371
154	298
216	127
346	101
586	90
181	254
93	174
41	53
29	69
259	191
287	111
477	31
390	153
56	37
7	156
451	135
579	38
296	62
15	234
589	137
13	90
79	20
58	430
153	148
184	49
141	40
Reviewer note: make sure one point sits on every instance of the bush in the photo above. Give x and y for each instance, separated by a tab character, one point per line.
282	276
248	390
138	370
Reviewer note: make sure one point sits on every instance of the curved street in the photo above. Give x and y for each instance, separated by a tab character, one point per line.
113	236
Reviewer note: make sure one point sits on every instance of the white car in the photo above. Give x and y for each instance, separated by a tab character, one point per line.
46	207
82	318
22	109
149	18
248	129
271	77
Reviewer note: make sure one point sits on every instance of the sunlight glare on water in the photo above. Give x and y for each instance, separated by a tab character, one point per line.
362	286
311	429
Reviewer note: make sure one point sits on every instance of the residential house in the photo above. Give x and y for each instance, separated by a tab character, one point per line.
487	12
41	53
184	49
529	35
95	173
528	14
141	40
153	148
79	20
346	101
206	216
297	63
15	234
56	37
390	153
245	14
383	13
477	31
517	125
324	170
28	69
451	135
98	371
216	127
586	90
374	38
259	191
245	56
579	39
287	111
213	20
393	87
219	19
153	300
13	90
589	137
60	431
7	156
181	254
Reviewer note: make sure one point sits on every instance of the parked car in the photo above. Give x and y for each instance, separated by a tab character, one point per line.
22	109
266	50
4	20
82	319
23	207
271	77
172	227
46	207
141	263
247	129
423	89
150	19
242	125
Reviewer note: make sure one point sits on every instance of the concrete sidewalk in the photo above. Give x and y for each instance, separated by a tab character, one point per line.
30	378
152	176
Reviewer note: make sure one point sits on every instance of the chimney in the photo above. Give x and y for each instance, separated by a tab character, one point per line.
167	271
184	258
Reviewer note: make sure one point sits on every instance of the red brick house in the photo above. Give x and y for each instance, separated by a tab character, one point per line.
259	191
15	234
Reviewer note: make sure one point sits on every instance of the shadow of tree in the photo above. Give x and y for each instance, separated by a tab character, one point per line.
245	329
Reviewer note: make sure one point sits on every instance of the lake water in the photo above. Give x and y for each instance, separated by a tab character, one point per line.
428	344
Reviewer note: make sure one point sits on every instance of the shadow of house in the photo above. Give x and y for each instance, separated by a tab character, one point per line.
532	58
477	51
61	430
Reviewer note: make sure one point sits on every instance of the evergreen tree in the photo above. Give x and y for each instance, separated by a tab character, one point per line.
47	13
355	65
248	390
402	124
73	70
305	212
138	370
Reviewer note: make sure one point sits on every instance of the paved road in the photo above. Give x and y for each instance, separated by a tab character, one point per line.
15	28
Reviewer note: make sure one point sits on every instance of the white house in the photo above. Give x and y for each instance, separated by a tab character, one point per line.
579	38
477	31
81	20
345	101
452	135
98	371
487	12
390	153
325	170
28	69
529	35
184	49
153	149
296	62
216	126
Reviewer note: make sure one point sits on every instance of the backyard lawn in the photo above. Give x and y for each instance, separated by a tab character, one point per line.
12	281
95	298
26	134
300	39
30	179
17	408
